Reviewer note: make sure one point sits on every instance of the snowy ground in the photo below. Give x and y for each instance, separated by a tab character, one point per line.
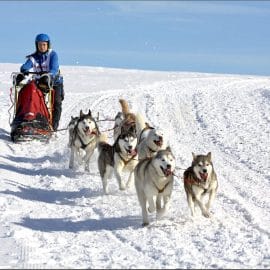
53	217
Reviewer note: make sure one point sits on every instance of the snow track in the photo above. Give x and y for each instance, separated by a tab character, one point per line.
53	217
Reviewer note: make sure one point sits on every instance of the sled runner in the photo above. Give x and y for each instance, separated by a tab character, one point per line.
33	107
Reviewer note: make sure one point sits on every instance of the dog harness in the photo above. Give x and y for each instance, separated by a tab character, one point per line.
161	190
127	161
85	145
191	179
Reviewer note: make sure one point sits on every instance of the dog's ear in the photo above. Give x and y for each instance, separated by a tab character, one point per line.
209	156
194	156
89	113
148	126
168	148
81	113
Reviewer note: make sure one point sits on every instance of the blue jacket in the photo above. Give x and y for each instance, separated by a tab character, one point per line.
47	62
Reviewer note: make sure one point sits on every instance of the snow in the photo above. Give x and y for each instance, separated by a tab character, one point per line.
54	217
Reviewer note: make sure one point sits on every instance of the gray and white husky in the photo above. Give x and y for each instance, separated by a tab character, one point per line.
150	140
200	179
119	157
83	137
154	183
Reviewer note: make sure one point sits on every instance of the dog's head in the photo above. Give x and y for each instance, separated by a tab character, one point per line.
154	139
87	124
164	162
127	143
202	166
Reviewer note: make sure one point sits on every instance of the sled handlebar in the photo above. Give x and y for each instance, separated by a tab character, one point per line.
30	72
36	73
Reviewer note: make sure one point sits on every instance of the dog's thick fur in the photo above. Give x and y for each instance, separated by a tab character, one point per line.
73	122
154	178
124	120
150	140
200	179
83	138
119	157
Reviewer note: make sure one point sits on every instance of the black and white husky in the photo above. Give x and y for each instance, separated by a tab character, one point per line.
154	183
200	179
83	137
119	157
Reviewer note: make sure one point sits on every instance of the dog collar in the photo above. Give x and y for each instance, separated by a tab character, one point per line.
127	161
85	145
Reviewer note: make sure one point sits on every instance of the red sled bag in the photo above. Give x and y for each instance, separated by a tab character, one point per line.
32	118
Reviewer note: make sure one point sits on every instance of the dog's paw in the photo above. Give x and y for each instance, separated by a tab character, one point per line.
122	187
206	214
160	213
145	224
151	209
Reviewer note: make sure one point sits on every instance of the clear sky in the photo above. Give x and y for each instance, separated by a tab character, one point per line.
199	36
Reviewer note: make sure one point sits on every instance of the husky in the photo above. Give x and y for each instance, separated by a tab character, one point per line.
119	157
124	120
154	180
73	122
83	137
150	140
200	179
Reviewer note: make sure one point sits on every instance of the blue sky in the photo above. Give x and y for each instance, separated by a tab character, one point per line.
201	36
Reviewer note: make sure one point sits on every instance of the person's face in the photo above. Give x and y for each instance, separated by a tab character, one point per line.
43	46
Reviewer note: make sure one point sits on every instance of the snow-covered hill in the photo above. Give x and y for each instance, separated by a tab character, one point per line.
53	217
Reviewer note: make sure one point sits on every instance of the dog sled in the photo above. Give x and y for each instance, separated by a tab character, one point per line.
32	102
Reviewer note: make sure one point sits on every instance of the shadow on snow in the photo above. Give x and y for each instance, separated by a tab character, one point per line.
65	225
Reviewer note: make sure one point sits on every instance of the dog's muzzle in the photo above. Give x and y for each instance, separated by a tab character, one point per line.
88	131
159	142
132	152
167	171
204	176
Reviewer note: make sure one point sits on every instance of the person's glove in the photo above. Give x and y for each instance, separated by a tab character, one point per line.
26	73
19	78
43	84
44	80
63	94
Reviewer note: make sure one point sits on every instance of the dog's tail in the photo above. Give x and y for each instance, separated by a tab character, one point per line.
125	107
102	141
140	124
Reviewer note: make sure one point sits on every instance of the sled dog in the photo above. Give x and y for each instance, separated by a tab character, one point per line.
83	137
119	157
124	120
200	179
154	183
150	140
73	122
